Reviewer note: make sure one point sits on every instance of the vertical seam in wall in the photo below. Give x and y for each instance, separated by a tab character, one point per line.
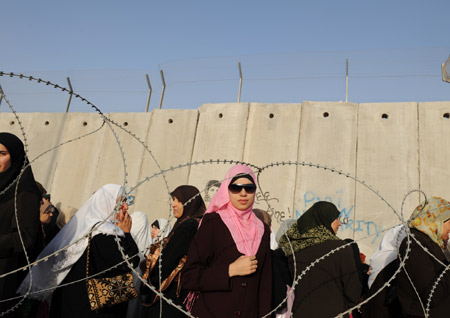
120	148
298	160
356	169
62	131
418	149
144	151
245	134
193	146
98	151
63	211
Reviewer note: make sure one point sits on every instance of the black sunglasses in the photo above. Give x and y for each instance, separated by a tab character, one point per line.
237	188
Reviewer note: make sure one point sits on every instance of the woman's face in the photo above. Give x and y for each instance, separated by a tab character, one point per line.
242	200
46	216
5	159
445	231
335	225
155	231
177	208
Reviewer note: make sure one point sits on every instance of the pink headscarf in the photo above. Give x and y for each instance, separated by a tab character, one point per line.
246	229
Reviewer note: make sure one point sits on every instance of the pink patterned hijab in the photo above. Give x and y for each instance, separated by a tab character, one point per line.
245	228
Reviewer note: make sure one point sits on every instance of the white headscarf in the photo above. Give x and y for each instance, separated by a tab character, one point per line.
140	231
387	251
164	230
50	273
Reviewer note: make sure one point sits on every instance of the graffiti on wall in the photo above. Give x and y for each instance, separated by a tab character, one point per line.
211	188
267	200
366	227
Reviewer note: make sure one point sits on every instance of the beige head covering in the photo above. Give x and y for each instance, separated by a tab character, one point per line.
429	218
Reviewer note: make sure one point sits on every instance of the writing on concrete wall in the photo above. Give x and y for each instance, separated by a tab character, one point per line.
265	198
367	227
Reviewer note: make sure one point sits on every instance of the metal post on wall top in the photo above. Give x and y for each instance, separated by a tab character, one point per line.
445	74
149	92
346	81
163	89
70	94
240	82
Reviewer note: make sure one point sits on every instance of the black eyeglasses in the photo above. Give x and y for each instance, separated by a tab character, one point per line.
237	188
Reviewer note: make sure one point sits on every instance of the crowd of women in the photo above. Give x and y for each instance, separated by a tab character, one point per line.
216	261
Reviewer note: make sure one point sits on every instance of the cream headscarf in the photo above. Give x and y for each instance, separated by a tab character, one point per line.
429	218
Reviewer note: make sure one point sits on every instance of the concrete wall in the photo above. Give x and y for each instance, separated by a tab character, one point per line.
390	148
387	160
328	137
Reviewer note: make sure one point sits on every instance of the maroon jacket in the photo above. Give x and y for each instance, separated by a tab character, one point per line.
206	272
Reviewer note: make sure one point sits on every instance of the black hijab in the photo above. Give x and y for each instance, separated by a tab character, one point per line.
156	223
18	161
321	213
192	210
312	228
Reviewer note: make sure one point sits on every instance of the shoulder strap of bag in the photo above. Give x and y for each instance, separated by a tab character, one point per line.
87	254
150	261
88	250
172	275
166	282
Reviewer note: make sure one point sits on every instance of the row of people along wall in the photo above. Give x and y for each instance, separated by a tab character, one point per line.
220	260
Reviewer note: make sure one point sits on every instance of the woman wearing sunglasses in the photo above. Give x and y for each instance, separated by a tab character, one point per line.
228	267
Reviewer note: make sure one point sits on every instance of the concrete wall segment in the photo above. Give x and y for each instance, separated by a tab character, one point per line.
434	148
328	134
220	135
387	160
272	136
77	162
45	133
405	151
110	167
170	139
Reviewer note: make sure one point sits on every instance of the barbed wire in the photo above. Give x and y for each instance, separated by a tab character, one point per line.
162	173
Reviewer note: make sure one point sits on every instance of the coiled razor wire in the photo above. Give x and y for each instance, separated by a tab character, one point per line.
162	173
105	119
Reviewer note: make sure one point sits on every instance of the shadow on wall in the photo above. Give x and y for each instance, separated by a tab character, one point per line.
64	216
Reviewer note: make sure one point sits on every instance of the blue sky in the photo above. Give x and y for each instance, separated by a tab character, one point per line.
290	51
